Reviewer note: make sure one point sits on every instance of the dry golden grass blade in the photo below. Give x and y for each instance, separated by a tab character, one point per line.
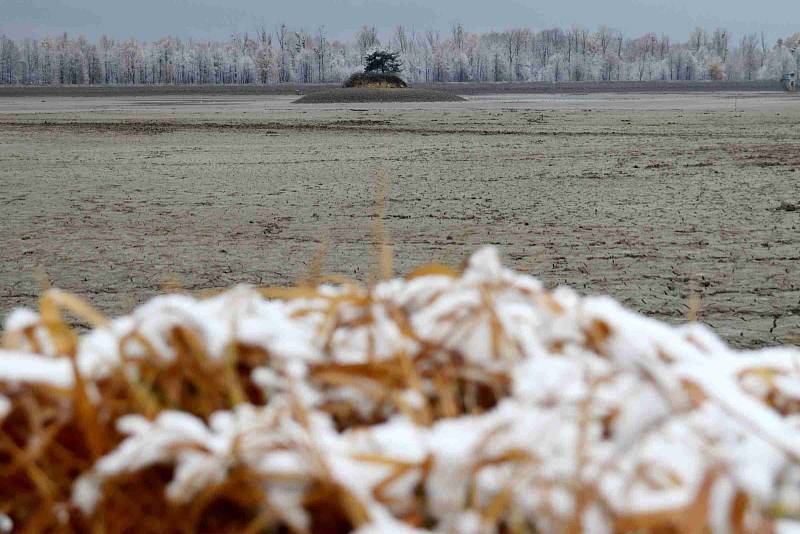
62	336
420	411
39	441
404	324
189	343
693	311
694	392
397	473
585	494
419	414
656	521
50	305
340	280
386	268
547	300
333	509
353	507
383	460
512	456
432	269
691	519
368	320
738	511
695	520
495	327
140	395
316	263
411	379
288	293
447	395
171	284
262	522
21	460
499	505
195	382
75	305
42	520
140	342
93	431
17	339
385	372
596	336
208	293
372	389
140	389
232	380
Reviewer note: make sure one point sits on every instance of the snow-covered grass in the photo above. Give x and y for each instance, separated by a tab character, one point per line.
448	402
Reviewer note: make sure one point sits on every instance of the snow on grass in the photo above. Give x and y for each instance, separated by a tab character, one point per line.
444	402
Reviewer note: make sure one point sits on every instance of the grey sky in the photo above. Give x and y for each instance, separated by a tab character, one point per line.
150	19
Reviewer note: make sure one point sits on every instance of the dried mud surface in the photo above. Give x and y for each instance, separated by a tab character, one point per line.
651	199
460	88
362	94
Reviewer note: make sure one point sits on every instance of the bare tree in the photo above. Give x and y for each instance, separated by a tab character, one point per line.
749	53
697	39
720	42
604	37
459	43
9	61
320	52
401	37
366	39
281	35
515	41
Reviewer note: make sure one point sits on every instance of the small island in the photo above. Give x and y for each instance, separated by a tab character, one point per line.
381	81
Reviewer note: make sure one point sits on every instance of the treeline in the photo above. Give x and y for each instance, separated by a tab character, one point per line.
286	55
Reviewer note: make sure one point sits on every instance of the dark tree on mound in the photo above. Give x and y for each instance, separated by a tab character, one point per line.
383	61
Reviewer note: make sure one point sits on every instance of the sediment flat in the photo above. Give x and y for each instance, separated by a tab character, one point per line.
351	95
460	88
657	199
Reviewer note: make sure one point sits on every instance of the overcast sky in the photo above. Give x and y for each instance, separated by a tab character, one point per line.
218	19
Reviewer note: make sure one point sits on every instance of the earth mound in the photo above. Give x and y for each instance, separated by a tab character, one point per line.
372	94
375	80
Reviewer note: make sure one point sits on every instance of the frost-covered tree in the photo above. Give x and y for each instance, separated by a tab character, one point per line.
384	61
748	56
367	39
293	55
9	61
